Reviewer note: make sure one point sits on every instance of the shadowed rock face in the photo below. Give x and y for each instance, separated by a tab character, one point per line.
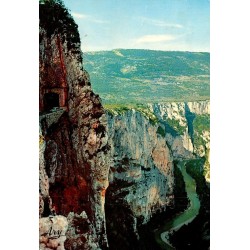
74	161
178	119
141	177
82	149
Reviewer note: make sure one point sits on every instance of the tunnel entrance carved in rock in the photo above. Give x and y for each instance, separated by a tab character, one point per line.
50	101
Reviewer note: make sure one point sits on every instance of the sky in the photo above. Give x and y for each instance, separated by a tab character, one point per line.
179	25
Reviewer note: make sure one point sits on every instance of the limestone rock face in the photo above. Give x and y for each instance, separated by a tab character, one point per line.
199	108
141	157
81	233
94	165
52	232
74	160
177	120
44	196
141	176
172	117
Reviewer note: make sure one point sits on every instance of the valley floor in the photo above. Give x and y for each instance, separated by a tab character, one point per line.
162	234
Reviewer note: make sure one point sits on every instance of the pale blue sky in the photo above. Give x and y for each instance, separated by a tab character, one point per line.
142	24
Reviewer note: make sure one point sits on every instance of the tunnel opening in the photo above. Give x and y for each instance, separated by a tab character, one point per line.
50	100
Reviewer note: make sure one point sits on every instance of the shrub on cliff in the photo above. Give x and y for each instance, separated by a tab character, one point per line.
55	18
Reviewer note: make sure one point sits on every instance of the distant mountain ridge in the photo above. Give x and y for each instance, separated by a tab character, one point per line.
139	76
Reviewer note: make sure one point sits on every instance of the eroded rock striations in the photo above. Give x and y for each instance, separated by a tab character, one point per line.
141	177
96	166
144	143
186	126
74	161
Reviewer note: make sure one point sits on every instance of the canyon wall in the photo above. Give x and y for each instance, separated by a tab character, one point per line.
74	160
186	126
141	176
96	166
144	142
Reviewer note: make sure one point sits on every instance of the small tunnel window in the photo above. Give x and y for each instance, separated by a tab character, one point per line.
51	100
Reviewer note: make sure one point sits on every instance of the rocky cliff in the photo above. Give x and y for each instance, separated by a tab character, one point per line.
102	175
74	161
144	142
186	126
141	176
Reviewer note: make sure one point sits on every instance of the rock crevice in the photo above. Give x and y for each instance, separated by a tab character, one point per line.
74	161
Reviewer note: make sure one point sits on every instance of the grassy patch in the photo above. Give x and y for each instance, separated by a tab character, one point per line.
198	140
119	109
144	75
201	123
176	126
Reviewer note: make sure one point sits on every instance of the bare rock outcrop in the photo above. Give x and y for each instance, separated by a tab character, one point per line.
52	232
141	176
178	120
74	160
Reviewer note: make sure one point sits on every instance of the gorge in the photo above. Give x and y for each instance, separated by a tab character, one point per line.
105	172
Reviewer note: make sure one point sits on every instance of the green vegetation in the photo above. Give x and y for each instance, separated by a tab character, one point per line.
176	126
147	231
140	76
198	140
180	193
118	109
201	224
207	166
161	131
201	123
128	79
56	20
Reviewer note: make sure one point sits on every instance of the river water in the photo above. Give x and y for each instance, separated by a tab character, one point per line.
161	235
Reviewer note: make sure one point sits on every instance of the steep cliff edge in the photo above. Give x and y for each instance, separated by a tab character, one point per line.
141	176
186	127
102	175
74	161
144	140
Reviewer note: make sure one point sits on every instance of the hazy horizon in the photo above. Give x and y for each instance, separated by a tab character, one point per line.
165	25
104	50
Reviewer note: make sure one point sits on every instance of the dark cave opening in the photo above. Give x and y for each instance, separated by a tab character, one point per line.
46	210
50	101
